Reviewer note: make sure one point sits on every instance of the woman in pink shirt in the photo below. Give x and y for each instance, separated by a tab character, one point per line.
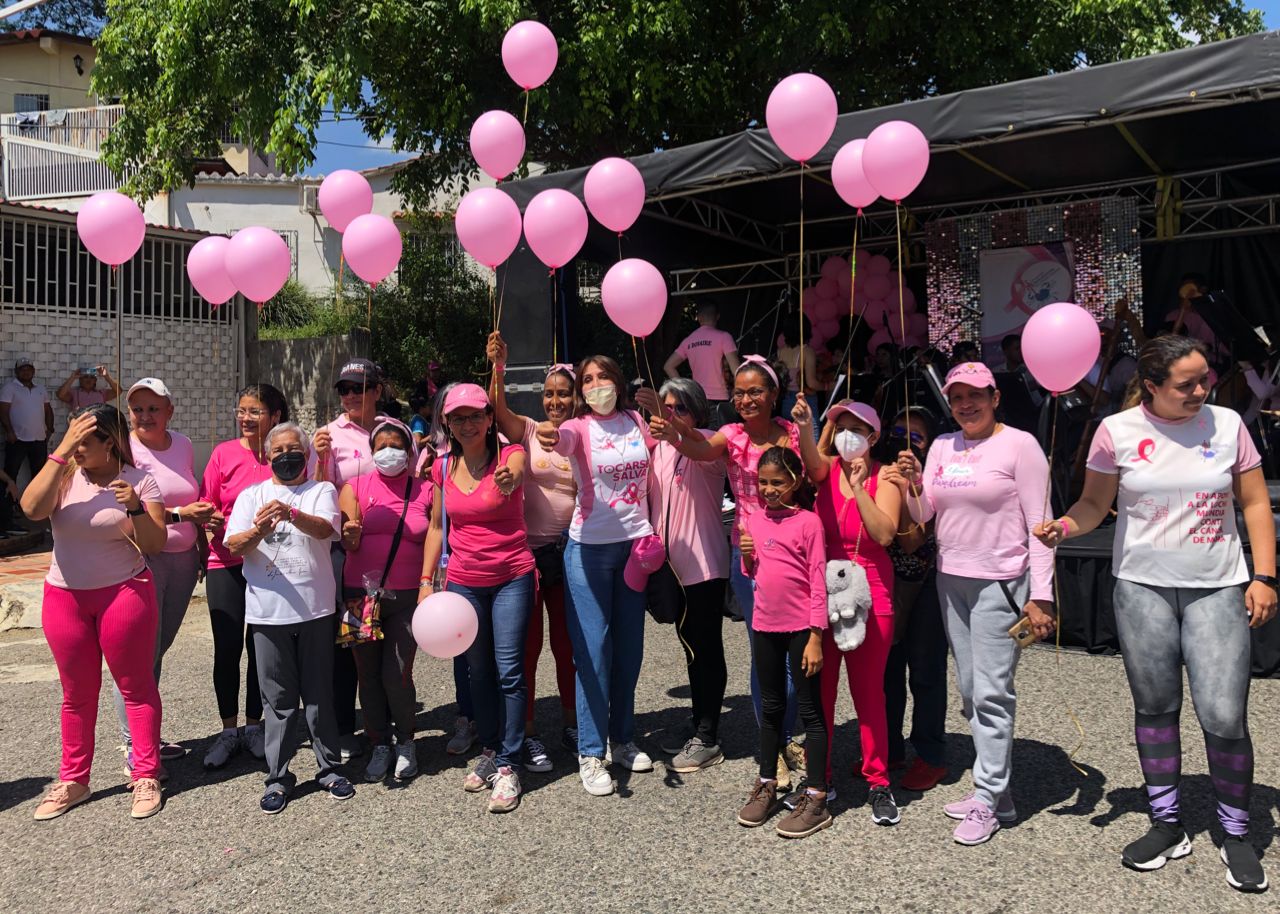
548	511
374	507
234	466
859	511
478	545
987	484
99	601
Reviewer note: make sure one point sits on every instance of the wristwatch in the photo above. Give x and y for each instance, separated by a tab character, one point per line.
1266	579
175	516
141	510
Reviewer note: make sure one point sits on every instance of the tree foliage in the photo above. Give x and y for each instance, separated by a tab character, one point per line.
633	76
79	17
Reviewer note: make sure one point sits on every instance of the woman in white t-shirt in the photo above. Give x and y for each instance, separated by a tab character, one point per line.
1178	467
282	528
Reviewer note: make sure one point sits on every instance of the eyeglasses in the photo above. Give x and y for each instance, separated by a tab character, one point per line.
679	409
755	393
242	413
345	390
471	419
915	437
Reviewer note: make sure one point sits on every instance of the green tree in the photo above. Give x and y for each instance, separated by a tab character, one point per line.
79	17
633	76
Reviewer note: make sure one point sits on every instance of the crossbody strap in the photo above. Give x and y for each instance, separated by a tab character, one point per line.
444	513
395	539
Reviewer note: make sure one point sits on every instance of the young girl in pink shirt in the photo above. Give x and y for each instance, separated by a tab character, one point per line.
783	552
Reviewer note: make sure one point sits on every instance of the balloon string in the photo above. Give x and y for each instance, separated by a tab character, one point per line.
1053	438
902	310
501	293
217	361
853	292
555	320
619	245
525	121
120	385
800	366
337	289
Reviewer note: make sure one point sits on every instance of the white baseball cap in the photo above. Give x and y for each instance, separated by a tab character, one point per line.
155	385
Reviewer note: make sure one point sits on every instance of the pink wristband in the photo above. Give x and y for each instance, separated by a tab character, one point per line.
61	461
293	515
1066	526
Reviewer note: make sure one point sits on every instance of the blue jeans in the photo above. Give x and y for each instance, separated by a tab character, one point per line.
496	658
606	625
462	687
746	595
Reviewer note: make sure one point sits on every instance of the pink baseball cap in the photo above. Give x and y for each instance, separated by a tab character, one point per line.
975	374
465	395
860	411
647	556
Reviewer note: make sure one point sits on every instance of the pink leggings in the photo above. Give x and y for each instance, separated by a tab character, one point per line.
83	626
561	648
865	668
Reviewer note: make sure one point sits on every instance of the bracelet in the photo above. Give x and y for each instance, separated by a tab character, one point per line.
60	461
1066	526
424	581
293	514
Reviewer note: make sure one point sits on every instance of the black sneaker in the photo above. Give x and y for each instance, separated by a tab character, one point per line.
274	801
340	789
884	811
569	739
791	799
1164	842
1244	872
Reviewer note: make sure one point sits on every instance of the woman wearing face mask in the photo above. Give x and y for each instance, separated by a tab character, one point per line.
479	488
281	529
233	467
99	602
374	506
608	447
1178	467
987	485
740	444
548	511
859	514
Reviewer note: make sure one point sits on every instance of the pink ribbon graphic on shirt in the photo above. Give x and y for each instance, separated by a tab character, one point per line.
1145	448
630	496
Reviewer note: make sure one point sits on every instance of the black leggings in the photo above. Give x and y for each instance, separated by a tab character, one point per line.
698	629
772	650
224	589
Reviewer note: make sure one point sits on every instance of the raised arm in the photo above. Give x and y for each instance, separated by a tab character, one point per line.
41	495
509	423
1101	482
64	392
816	465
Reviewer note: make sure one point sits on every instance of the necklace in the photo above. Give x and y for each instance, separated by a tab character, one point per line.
969	444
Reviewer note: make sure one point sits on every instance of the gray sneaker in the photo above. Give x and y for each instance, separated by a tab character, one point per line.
464	736
406	761
255	740
482	776
226	745
695	756
379	762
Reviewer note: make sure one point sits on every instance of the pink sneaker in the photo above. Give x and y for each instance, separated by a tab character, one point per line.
961	808
978	826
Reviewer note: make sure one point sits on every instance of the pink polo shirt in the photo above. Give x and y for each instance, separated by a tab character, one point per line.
81	397
380	500
684	505
487	541
173	469
790	573
549	490
231	469
742	458
92	544
706	349
349	454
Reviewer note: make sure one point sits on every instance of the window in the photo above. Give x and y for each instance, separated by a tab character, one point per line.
24	101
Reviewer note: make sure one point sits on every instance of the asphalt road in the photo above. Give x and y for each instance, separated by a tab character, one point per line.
663	842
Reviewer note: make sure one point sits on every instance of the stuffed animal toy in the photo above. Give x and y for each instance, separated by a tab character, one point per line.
848	603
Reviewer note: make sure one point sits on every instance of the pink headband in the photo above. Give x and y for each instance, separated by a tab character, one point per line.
759	361
561	366
385	422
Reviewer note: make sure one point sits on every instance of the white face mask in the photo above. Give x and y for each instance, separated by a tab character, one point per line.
391	461
602	399
851	445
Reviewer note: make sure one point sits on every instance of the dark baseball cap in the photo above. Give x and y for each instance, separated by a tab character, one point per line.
358	371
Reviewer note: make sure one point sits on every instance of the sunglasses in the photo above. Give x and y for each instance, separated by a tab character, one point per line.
679	409
345	389
915	437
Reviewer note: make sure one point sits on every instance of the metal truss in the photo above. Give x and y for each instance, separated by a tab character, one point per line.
719	222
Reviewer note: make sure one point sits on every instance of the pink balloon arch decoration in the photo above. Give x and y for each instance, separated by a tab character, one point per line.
207	270
497	143
801	115
614	191
445	624
634	295
488	225
258	262
344	195
372	246
850	179
1060	343
895	159
529	53
555	225
111	226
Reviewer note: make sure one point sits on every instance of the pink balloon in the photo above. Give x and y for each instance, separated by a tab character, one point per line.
555	225
488	225
908	299
919	341
835	267
345	194
878	265
826	288
372	246
878	286
860	283
801	115
445	624
828	328
878	339
850	179
874	314
614	191
918	325
861	257
497	143
1060	343
823	309
111	227
258	262
207	269
844	285
529	53
895	159
634	295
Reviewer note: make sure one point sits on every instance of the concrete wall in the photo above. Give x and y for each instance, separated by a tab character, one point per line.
50	67
305	371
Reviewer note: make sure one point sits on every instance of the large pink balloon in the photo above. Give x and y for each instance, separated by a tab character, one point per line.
878	286
918	325
555	225
823	309
875	314
878	265
258	262
111	227
372	246
878	339
497	143
828	328
844	284
895	159
1060	343
345	194
849	177
529	53
614	191
835	267
445	624
634	295
801	115
207	269
488	225
826	287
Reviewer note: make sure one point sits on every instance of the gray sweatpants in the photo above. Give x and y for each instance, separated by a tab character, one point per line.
175	578
295	662
977	616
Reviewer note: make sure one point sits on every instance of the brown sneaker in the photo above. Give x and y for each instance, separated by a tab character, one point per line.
760	805
61	797
784	773
147	798
809	816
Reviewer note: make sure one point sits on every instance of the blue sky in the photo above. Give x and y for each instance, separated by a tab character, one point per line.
344	145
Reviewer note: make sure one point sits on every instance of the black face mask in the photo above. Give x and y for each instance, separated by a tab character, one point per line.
289	465
894	445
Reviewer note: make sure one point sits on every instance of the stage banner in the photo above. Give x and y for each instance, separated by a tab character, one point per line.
1016	282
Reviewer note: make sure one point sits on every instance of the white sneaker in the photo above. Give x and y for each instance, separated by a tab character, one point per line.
464	737
255	740
506	791
224	746
406	761
595	777
379	762
630	756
